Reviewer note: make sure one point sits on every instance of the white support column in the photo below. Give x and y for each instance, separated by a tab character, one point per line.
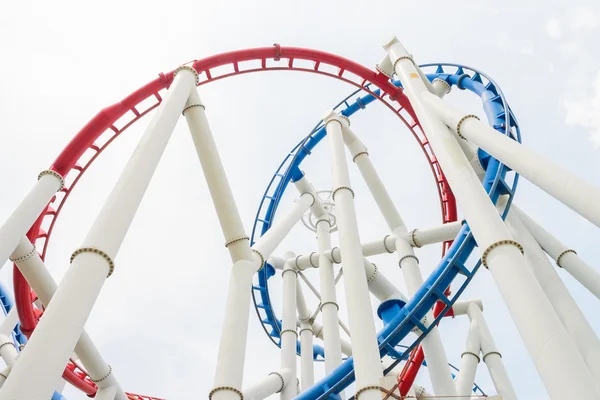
229	370
106	393
232	346
278	231
574	192
275	382
4	375
329	306
441	87
491	357
49	182
8	352
379	285
582	334
236	240
307	369
365	348
433	348
468	363
563	256
37	275
289	334
547	341
38	371
9	322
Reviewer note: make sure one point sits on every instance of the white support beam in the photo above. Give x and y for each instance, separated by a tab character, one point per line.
468	363
367	367
273	383
547	341
491	356
573	319
289	334
33	204
39	278
40	366
564	257
433	348
574	192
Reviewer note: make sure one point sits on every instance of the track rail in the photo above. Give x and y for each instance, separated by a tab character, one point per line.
109	123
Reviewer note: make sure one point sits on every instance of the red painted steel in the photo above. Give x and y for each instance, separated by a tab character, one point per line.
102	126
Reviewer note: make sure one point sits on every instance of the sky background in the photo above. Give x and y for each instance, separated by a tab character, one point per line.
157	320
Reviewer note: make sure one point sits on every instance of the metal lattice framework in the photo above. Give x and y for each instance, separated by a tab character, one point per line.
479	161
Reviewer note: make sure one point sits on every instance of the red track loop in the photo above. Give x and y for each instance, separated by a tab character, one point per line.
109	123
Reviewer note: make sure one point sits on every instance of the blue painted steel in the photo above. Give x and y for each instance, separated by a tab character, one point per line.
455	262
6	303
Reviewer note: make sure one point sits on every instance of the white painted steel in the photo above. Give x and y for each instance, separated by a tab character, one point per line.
277	232
491	356
216	179
3	375
556	181
581	332
365	348
273	383
229	370
289	335
569	260
307	369
26	213
468	363
433	348
106	393
544	336
440	87
8	352
9	322
422	237
329	308
41	365
460	307
37	275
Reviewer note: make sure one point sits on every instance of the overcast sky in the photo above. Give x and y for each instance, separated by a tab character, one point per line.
157	320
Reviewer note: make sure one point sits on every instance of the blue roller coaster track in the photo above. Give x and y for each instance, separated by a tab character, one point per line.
498	180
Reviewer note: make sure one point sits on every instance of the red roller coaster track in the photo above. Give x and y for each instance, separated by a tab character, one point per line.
110	122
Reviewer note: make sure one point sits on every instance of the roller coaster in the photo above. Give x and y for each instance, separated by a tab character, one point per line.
476	166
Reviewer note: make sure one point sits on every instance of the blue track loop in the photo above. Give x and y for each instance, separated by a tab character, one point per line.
455	264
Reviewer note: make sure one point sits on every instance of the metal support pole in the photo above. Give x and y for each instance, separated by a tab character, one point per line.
8	352
49	182
289	334
435	354
229	370
547	341
236	240
365	348
37	275
307	369
554	180
564	257
581	332
38	371
491	357
468	363
277	232
9	322
275	382
106	393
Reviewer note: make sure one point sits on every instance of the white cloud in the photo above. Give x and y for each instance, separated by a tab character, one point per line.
554	28
582	18
586	113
